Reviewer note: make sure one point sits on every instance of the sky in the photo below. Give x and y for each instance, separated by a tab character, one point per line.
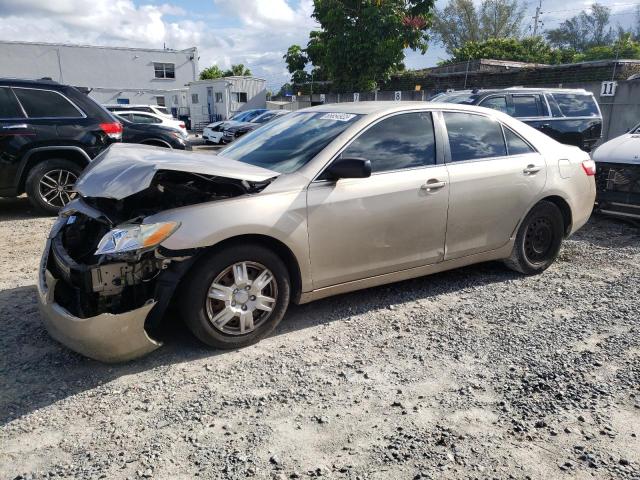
254	32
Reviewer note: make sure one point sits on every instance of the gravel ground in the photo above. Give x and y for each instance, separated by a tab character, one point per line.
475	373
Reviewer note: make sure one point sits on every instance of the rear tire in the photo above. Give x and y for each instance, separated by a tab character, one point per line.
212	288
538	240
49	184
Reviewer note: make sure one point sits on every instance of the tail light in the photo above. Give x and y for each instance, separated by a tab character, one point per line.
113	130
589	167
182	125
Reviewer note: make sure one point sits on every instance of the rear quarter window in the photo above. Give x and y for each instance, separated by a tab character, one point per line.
9	107
45	104
576	105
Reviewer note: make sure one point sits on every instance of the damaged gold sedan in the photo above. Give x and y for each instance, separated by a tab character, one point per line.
322	201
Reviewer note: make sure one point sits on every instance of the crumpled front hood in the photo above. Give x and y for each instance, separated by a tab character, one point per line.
126	169
622	149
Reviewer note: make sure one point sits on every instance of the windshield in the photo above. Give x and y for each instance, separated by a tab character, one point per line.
464	98
287	143
636	129
163	110
264	117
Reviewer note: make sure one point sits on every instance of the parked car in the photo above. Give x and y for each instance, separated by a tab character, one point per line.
618	175
155	109
322	201
236	129
153	134
48	133
214	132
571	116
153	119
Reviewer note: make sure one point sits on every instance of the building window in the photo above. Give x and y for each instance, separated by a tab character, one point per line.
194	98
160	101
218	97
175	99
165	70
239	97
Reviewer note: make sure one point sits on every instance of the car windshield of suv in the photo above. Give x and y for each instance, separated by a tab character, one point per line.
464	98
289	142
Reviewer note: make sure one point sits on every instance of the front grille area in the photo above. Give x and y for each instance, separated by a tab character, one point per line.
618	188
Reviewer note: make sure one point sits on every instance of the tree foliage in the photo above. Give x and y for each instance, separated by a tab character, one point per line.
361	42
625	47
530	49
238	70
460	22
588	29
211	73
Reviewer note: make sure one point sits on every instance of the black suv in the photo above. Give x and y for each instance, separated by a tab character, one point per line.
48	134
570	116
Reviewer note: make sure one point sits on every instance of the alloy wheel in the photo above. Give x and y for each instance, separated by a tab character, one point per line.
241	298
56	187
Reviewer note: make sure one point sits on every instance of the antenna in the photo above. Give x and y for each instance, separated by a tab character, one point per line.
536	19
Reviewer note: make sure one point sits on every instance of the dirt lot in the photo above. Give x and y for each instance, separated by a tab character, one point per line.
476	373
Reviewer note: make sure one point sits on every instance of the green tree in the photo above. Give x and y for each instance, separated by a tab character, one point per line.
296	60
460	22
211	73
586	30
361	42
530	49
238	70
624	47
286	88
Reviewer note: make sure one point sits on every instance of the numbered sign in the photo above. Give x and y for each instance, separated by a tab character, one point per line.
397	96
608	89
323	97
356	97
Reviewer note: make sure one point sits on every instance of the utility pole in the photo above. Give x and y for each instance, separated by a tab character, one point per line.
536	19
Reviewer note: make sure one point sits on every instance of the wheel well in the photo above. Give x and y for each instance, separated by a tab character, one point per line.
280	249
156	143
565	209
38	157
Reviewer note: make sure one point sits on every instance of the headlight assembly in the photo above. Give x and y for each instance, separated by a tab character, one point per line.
129	238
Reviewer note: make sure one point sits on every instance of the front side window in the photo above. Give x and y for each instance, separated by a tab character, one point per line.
495	103
526	106
164	70
515	144
9	107
576	105
401	141
473	137
289	142
45	104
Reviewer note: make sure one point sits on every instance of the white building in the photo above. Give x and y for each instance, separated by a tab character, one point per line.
219	99
112	74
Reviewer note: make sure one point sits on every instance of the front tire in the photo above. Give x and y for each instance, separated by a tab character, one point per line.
49	184
236	296
538	240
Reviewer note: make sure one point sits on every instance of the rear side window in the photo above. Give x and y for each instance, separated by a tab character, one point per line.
576	105
473	137
9	107
138	118
526	106
555	109
515	144
45	104
401	141
496	103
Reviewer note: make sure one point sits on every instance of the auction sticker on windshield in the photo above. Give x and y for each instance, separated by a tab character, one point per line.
342	117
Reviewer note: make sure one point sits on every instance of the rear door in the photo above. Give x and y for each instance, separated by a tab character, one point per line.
494	177
16	134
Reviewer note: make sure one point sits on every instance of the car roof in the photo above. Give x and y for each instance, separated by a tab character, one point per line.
487	91
366	108
137	112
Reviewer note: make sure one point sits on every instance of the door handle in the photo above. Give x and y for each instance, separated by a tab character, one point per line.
433	184
531	169
18	126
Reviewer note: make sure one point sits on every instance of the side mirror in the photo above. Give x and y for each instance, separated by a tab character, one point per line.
349	167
